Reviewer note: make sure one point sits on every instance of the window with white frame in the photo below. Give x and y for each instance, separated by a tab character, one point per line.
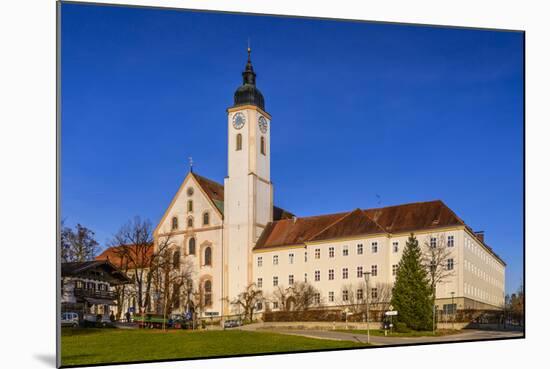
331	296
359	249
260	282
359	272
260	261
317	298
433	242
317	253
374	247
275	304
291	258
345	296
275	259
291	279
331	274
317	275
345	251
275	281
374	293
345	273
305	256
359	294
331	252
450	241
450	264
374	270
394	269
395	246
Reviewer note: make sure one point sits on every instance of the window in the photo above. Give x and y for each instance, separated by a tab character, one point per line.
345	295
317	298
345	251
275	281
360	294
176	260
208	293
260	261
345	273
190	222
239	142
305	277
317	253
260	282
174	223
79	284
395	247
374	293
206	219
189	205
331	252
275	259
433	242
433	266
305	256
262	145
394	269
450	241
374	270
360	272
192	246
360	249
291	279
208	256
259	305
275	304
317	275
331	296
450	264
291	258
449	308
374	247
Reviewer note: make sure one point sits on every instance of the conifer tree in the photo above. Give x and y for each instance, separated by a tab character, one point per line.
411	295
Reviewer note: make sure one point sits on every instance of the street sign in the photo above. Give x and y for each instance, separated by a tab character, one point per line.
391	313
211	313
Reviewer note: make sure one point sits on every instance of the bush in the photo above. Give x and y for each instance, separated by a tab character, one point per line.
401	327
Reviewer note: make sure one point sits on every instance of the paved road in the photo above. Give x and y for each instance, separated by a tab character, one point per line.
377	340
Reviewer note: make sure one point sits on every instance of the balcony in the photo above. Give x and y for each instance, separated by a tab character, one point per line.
96	294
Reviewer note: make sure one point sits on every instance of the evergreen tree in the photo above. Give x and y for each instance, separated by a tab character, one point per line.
411	295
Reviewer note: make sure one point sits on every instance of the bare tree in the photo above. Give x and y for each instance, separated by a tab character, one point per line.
78	244
435	256
304	295
248	300
281	296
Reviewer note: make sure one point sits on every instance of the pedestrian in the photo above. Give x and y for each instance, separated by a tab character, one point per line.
128	316
112	316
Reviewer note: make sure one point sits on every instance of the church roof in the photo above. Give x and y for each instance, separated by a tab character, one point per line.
391	219
215	192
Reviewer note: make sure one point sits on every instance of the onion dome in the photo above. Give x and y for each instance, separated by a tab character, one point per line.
248	93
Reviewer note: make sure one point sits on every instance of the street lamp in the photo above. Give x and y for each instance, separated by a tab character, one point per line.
453	308
367	274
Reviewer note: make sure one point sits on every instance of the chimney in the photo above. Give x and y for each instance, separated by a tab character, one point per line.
480	235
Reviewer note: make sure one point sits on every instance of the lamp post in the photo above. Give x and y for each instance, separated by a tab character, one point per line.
367	274
453	308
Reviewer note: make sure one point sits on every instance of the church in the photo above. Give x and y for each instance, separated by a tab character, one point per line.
236	236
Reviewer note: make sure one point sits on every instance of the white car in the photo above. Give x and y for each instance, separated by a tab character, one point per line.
69	320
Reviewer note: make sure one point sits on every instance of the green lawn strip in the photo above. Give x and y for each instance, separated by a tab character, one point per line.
93	346
380	332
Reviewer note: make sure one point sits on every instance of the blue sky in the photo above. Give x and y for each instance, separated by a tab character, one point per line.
364	115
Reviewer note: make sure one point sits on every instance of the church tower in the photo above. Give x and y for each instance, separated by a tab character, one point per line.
248	197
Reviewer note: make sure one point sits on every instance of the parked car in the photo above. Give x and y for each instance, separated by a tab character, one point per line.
232	323
69	320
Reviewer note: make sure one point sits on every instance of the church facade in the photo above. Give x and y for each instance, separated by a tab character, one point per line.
236	236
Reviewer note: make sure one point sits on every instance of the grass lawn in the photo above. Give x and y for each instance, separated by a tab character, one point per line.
380	332
91	346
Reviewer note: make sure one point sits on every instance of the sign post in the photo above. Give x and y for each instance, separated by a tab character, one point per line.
391	313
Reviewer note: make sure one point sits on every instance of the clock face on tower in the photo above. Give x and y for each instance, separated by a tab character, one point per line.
262	122
239	120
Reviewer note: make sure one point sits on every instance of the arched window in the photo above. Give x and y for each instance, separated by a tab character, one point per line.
207	293
192	246
206	219
174	223
262	145
190	222
208	256
176	260
239	143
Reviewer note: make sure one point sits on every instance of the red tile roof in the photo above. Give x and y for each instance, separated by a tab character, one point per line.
117	255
